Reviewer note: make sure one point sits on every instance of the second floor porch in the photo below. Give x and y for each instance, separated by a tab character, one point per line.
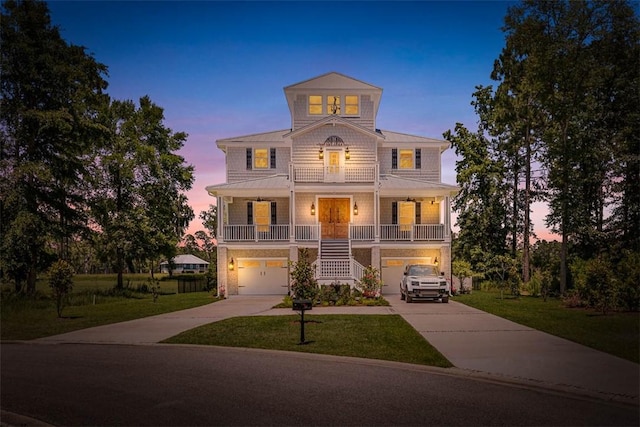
315	232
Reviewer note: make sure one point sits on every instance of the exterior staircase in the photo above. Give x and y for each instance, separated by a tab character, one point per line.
335	263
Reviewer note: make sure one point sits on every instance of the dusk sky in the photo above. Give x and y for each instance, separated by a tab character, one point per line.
219	68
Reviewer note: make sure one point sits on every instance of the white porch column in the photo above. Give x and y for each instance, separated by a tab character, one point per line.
221	214
292	216
223	271
375	258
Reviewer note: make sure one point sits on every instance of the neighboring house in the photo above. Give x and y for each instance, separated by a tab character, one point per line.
185	264
334	183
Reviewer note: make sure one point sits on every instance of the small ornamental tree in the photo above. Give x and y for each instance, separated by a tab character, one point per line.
370	284
60	282
303	281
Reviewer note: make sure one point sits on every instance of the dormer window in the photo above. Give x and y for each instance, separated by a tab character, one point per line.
351	105
315	104
348	105
333	104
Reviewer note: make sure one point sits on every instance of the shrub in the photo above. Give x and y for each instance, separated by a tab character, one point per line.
595	282
60	282
628	276
303	282
370	284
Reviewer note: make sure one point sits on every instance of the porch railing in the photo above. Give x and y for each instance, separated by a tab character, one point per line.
328	174
247	233
311	232
339	269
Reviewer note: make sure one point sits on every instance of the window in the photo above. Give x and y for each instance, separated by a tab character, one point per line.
262	214
351	105
315	104
333	104
406	159
261	158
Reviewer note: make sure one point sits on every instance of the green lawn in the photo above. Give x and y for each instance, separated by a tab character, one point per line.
615	333
386	337
28	318
88	282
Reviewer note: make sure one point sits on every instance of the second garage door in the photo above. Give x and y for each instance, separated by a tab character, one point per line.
263	276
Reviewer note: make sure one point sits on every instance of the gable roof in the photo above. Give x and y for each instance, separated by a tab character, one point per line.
271	186
186	259
334	120
274	136
391	185
332	80
393	138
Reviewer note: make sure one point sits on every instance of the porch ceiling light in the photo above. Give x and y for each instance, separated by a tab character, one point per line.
347	154
355	208
231	264
313	208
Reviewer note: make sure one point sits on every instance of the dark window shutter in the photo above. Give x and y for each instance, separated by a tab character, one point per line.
250	213
249	162
394	212
418	158
394	158
418	213
272	158
274	213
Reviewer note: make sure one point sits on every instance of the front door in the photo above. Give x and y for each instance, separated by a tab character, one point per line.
334	166
333	215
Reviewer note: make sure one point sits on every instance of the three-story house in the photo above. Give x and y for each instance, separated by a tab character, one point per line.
352	194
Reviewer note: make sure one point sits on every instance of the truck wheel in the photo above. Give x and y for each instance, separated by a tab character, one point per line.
401	296
445	300
409	299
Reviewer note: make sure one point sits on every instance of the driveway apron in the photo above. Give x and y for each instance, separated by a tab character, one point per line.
478	341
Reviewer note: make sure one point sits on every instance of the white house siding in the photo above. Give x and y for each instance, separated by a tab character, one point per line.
430	165
362	147
237	163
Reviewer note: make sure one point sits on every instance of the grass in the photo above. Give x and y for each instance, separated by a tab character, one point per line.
28	318
615	333
89	282
385	337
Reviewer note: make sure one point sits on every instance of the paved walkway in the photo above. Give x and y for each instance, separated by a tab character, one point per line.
477	343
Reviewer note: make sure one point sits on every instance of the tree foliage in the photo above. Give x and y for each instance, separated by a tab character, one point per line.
51	92
81	176
561	126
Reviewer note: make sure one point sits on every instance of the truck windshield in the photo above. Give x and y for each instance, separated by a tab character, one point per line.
423	270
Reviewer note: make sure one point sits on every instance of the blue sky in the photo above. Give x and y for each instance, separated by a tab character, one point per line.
219	68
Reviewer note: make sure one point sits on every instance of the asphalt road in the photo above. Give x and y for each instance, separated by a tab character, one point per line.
168	385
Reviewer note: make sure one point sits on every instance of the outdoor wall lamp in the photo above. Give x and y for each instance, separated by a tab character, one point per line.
436	261
355	208
347	154
231	264
313	209
320	154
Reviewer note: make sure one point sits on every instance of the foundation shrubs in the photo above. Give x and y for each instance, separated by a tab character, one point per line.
370	285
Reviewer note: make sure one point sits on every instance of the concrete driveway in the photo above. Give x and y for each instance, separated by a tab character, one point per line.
477	343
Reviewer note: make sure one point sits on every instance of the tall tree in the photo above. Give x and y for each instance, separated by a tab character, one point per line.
481	207
138	203
51	92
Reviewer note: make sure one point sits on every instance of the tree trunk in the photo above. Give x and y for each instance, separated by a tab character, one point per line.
527	208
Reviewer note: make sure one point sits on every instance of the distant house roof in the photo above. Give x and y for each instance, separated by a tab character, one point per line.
186	259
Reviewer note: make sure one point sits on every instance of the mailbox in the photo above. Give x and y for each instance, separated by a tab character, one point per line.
302	304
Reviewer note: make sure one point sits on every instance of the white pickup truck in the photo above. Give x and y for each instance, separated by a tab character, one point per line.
423	281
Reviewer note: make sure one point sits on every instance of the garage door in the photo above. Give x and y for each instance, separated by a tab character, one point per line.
262	276
392	269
